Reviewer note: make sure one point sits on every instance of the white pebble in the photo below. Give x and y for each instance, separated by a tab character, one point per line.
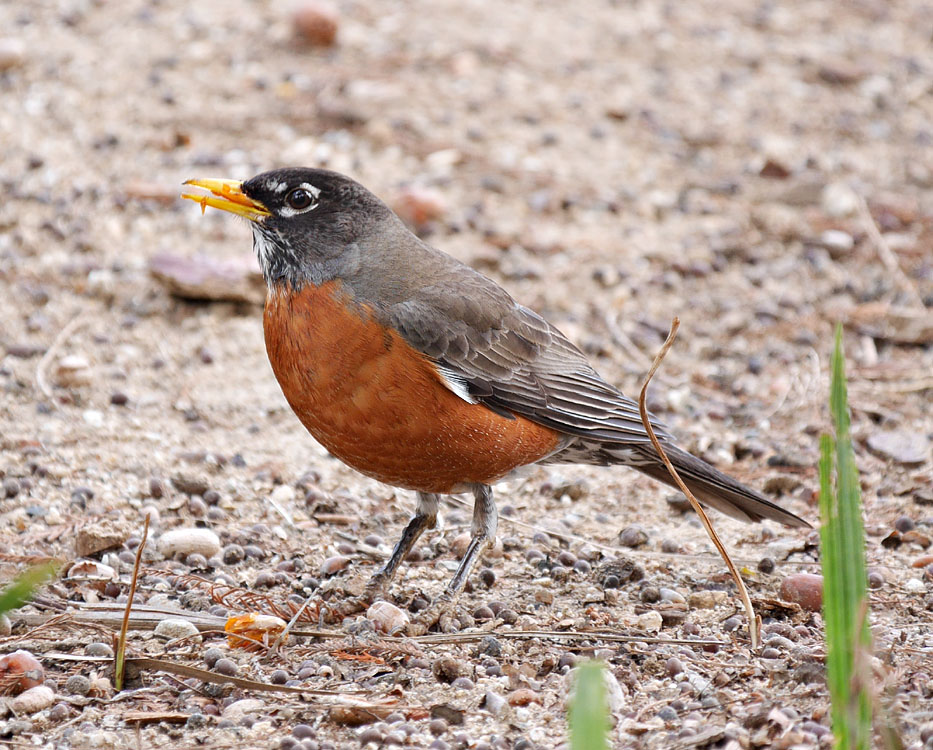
32	700
650	622
189	541
237	710
914	586
176	627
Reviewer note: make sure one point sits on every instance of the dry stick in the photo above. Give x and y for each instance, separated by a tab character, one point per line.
753	623
887	255
120	655
41	379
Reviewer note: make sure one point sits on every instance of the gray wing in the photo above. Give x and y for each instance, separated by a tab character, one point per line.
515	362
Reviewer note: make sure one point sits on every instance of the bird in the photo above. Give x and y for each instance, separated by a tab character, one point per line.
420	372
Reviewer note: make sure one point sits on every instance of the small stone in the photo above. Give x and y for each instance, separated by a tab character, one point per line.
447	669
11	487
674	666
99	536
805	589
900	446
839	200
333	565
190	484
33	700
905	524
522	697
20	671
419	206
12	53
914	586
837	242
233	554
226	667
212	656
463	683
98	649
317	23
118	398
303	732
73	371
202	277
238	710
188	541
387	618
766	565
176	627
633	536
650	622
707	599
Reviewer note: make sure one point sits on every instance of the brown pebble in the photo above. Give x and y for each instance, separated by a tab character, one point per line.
522	697
447	669
418	206
333	565
633	536
386	617
805	589
317	23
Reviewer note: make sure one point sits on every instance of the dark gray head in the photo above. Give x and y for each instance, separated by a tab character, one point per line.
311	218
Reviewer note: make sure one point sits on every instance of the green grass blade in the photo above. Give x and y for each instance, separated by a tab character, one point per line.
589	709
20	591
845	603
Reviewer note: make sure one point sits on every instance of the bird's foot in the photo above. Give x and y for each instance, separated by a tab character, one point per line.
441	612
344	603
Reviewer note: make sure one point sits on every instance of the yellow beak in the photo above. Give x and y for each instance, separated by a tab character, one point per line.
227	195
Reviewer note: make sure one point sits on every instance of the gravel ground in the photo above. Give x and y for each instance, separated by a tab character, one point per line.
761	170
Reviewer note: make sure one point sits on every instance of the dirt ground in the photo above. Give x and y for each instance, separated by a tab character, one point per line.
762	170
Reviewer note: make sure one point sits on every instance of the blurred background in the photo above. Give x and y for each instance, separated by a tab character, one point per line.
760	169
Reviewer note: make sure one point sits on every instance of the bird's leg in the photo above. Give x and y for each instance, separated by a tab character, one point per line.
485	522
424	518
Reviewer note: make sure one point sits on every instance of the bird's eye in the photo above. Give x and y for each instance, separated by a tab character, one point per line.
299	199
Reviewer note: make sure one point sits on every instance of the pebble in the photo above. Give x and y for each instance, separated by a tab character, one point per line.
73	371
447	669
212	656
303	732
805	589
900	446
839	200
707	599
189	541
33	700
333	565
98	649
487	577
176	627
233	554
837	242
914	586
317	23
226	667
387	618
190	484
21	671
650	622
494	703
766	565
11	487
12	53
239	710
633	536
419	206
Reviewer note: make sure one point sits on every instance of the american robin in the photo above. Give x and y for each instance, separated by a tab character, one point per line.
420	372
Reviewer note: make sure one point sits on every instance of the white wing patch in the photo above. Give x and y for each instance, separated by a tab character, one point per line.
456	384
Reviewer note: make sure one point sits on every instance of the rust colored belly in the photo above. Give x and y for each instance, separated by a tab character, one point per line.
379	405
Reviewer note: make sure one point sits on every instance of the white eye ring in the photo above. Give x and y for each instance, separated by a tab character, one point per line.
300	199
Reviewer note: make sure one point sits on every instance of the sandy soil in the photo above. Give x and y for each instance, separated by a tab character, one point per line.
761	170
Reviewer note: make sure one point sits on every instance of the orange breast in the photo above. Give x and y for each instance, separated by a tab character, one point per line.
379	405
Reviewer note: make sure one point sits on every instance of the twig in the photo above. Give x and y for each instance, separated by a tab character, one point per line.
887	255
753	624
41	379
120	655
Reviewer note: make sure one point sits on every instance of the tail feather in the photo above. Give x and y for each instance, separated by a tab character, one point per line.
713	488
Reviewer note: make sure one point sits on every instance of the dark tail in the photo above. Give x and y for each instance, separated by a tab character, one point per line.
715	489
